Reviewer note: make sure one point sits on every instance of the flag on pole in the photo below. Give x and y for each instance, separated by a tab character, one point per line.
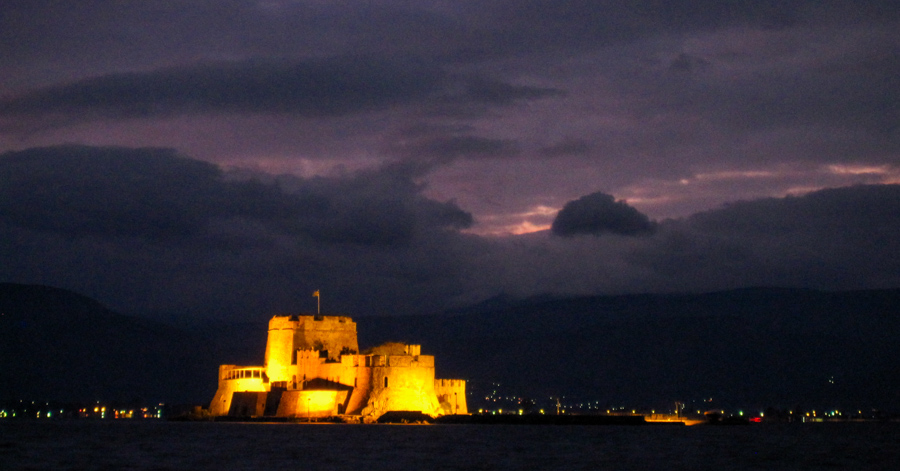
316	294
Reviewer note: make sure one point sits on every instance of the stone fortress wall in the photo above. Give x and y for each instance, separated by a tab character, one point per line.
328	335
451	394
313	370
232	379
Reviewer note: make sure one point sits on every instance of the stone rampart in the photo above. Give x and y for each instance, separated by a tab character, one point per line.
334	334
403	384
232	379
312	369
315	404
451	394
290	334
247	404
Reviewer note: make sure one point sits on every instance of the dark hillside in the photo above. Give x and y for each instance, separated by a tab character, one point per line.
745	347
58	345
752	346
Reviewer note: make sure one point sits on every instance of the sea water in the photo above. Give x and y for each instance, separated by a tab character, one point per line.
152	445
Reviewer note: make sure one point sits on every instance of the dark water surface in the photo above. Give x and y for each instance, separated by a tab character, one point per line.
150	445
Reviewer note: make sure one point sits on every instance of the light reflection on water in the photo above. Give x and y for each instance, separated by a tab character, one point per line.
154	445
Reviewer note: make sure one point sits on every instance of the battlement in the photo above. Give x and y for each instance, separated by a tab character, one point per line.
450	383
452	395
292	337
312	322
313	368
305	354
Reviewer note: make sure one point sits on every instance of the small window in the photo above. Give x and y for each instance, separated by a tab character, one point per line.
385	381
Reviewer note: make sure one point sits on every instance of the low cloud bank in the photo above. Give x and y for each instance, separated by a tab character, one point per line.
154	232
599	213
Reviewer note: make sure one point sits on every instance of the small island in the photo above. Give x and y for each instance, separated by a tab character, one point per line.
313	371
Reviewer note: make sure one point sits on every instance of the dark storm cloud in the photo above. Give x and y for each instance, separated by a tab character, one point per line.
486	91
599	213
116	192
375	207
864	212
566	147
838	238
135	31
511	27
845	238
855	92
783	83
149	230
445	149
513	107
158	195
310	88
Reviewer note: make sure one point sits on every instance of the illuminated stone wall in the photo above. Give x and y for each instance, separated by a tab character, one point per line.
402	383
247	404
451	394
362	389
311	404
311	365
299	379
334	334
232	379
279	350
288	334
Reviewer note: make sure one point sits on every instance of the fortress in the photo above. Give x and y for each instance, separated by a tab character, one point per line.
313	370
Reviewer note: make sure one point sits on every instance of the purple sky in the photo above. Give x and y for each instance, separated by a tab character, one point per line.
410	156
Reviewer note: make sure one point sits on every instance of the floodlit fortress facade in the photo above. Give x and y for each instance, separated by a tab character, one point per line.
313	370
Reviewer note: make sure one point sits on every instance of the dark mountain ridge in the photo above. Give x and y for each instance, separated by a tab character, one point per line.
59	345
761	346
766	346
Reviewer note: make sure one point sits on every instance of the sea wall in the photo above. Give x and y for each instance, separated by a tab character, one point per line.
247	404
402	383
312	404
451	394
233	378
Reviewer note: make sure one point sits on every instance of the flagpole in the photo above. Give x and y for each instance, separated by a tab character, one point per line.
318	303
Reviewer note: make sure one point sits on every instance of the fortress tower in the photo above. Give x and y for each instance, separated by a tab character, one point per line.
330	336
313	369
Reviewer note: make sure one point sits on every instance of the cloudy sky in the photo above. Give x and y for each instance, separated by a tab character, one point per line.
229	157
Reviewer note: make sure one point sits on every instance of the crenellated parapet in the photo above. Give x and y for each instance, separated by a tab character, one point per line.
328	336
450	383
451	394
312	369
